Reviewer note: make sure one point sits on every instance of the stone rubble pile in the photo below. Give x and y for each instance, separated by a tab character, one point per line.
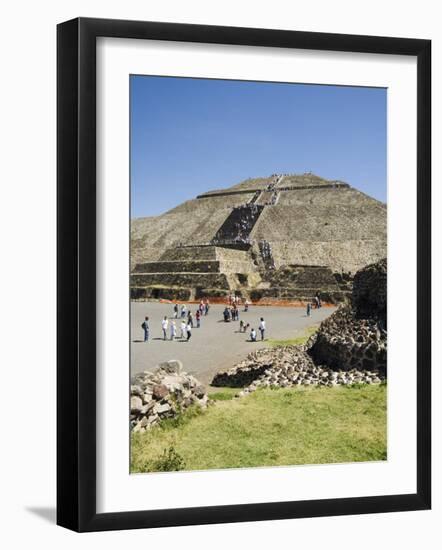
288	366
164	393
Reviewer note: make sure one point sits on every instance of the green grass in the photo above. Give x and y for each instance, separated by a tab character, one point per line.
296	341
225	394
270	428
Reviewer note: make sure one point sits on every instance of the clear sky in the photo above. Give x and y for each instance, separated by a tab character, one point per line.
189	136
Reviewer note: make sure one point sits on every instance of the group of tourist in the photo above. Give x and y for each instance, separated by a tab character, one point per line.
261	327
266	254
169	327
241	229
231	313
203	309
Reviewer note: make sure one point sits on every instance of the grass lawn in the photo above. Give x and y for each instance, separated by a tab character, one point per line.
296	341
270	428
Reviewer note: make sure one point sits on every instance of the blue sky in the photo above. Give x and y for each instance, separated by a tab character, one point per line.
190	135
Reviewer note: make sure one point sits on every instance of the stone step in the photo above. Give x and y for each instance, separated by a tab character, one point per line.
189	253
218	266
178	266
186	280
239	224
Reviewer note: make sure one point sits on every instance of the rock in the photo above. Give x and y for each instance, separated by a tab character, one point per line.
163	394
161	408
148	407
173	383
199	391
171	367
159	391
147	397
135	404
137	427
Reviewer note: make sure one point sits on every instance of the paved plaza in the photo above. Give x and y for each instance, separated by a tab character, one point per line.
216	344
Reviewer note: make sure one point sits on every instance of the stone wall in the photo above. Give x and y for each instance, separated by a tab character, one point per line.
341	255
178	266
370	292
164	293
344	342
186	280
300	283
189	253
355	336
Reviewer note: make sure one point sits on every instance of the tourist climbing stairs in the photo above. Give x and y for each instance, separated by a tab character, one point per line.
238	225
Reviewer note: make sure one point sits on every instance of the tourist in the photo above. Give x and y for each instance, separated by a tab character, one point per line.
145	327
201	307
253	335
183	311
226	314
241	326
246	305
262	327
164	325
198	318
172	330
206	309
183	329
190	318
189	331
309	307
175	311
246	327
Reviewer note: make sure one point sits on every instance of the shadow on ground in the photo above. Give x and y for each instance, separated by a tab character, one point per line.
46	513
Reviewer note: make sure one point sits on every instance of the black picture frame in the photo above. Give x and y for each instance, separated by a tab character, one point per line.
76	274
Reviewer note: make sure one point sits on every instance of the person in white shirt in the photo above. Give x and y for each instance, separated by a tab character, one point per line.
262	327
183	329
164	325
172	330
253	335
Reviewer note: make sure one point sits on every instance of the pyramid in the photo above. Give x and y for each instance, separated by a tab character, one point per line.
284	237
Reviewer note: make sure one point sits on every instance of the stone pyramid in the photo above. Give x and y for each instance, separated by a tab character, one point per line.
282	237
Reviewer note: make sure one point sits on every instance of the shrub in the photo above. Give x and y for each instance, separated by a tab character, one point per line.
169	461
